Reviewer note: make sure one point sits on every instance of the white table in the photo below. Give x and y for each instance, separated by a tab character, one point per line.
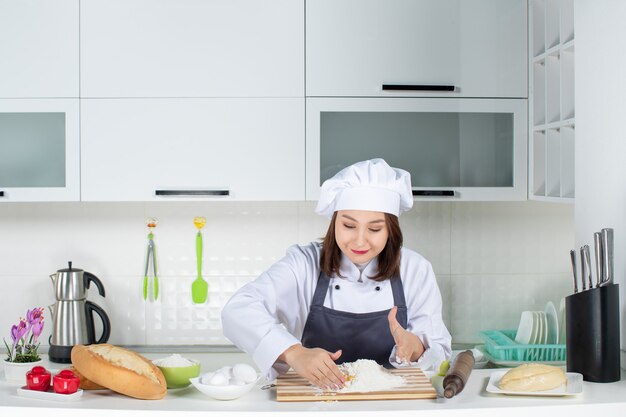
596	399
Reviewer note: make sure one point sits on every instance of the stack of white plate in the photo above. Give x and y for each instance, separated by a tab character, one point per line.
539	327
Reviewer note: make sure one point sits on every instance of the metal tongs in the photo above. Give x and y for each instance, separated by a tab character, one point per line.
151	255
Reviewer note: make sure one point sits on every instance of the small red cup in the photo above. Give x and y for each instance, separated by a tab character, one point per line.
65	382
38	379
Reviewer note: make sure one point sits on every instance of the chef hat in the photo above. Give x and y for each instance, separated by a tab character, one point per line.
368	185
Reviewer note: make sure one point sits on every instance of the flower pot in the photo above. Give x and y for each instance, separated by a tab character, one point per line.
15	372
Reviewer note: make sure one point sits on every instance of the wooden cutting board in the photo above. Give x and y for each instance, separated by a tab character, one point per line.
292	387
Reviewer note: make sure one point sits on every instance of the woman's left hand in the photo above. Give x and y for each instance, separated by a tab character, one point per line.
409	347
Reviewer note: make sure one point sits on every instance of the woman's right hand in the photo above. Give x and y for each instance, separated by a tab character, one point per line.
316	365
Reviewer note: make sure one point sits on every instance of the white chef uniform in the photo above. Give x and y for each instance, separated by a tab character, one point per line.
268	315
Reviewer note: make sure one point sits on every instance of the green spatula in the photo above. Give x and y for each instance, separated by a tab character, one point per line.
199	287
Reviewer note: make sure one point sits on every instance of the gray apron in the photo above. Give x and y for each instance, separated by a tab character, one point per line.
358	335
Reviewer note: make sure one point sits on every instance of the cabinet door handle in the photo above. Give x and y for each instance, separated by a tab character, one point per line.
417	87
1	193
433	193
183	193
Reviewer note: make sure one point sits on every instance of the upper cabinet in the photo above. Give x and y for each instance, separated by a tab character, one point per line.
551	98
39	150
454	149
39	105
192	48
455	48
182	149
39	48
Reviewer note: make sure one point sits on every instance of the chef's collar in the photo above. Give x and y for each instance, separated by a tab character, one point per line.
350	271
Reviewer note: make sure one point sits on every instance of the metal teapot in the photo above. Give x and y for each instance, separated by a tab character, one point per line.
72	315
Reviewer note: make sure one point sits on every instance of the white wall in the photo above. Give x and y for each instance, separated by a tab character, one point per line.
492	260
600	129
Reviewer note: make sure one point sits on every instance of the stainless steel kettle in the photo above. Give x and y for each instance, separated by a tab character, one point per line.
72	315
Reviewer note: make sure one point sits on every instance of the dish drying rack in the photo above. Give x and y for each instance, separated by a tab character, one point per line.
501	349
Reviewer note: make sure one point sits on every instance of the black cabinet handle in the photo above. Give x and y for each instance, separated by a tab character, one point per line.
417	87
433	193
1	193
183	193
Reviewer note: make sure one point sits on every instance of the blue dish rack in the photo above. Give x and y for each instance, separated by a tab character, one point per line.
501	347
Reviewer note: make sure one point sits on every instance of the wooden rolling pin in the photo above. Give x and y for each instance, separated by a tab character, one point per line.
458	374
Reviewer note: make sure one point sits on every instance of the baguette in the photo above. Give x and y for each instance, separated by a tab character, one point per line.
120	370
85	383
533	377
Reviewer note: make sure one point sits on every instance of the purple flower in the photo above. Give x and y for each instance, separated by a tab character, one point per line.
17	332
35	315
37	328
24	347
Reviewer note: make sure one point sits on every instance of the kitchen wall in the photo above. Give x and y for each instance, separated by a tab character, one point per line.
600	135
492	260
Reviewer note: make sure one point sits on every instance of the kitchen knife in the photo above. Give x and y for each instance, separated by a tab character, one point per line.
607	245
597	244
587	262
583	268
572	255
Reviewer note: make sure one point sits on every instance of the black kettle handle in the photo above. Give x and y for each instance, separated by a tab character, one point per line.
106	323
89	277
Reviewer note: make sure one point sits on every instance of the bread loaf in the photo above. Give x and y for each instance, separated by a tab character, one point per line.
85	383
532	377
120	370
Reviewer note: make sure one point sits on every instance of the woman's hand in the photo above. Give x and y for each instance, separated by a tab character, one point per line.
316	365
409	347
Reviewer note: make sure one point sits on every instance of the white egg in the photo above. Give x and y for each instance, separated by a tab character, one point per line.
227	371
206	378
244	373
218	378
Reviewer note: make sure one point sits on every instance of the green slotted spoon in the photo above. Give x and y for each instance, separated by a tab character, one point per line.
199	287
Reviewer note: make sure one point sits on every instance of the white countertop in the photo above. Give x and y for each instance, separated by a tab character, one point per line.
608	399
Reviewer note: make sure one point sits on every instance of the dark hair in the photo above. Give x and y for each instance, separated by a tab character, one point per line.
388	259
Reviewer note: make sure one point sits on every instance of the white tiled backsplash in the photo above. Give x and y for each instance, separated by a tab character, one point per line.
492	260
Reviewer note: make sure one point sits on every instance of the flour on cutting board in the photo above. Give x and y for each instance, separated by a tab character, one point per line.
366	375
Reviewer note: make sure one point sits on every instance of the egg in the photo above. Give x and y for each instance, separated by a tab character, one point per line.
244	373
218	378
206	378
227	371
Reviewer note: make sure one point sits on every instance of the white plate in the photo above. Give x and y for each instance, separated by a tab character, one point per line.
553	323
543	328
525	329
574	386
48	395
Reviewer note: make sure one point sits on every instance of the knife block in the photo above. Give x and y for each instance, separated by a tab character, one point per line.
593	334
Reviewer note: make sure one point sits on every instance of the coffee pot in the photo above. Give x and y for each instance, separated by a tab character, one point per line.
73	315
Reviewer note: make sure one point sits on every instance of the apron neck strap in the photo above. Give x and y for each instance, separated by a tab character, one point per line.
323	282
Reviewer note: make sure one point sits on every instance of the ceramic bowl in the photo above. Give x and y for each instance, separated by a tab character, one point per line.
223	392
178	377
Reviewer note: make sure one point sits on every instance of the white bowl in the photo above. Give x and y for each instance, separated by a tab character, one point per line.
223	392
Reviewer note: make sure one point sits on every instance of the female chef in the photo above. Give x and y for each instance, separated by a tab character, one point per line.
357	295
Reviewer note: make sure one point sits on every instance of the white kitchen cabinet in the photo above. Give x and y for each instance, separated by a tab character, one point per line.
551	98
39	48
39	150
192	48
455	149
478	47
186	149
